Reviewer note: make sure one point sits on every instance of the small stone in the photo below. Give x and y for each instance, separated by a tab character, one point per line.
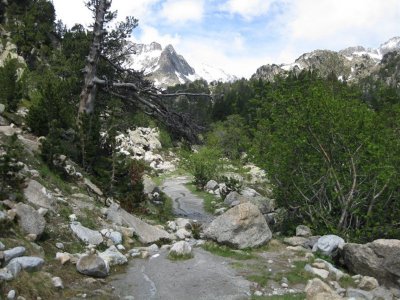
319	272
182	233
31	237
60	246
11	214
12	253
152	248
258	293
11	295
303	231
284	285
319	265
144	254
63	257
368	283
116	237
270	261
121	247
92	265
181	248
72	218
57	283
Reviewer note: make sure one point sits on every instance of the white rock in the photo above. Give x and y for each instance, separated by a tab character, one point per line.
113	257
57	282
324	274
11	295
181	248
182	233
43	211
60	246
116	237
72	218
327	244
86	235
171	225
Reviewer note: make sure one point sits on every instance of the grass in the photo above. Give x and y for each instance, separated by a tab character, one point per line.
225	251
50	178
178	257
346	282
89	221
32	286
210	201
296	275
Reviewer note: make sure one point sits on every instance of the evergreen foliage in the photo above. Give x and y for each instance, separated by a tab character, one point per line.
10	86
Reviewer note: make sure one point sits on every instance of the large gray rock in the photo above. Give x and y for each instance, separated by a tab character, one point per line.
86	235
5	275
328	244
92	265
392	264
29	219
146	233
242	227
13	253
27	263
113	257
360	259
385	247
38	195
359	294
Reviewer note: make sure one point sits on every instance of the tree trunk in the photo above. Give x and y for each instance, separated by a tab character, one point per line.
89	90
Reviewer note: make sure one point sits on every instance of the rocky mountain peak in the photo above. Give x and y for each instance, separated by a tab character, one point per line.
392	44
166	67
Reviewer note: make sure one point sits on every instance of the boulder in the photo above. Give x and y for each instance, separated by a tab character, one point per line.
242	226
181	248
113	257
392	264
303	231
92	265
13	253
27	263
316	289
328	244
29	219
116	237
86	235
385	247
360	259
63	257
212	185
146	233
333	271
37	194
232	198
265	205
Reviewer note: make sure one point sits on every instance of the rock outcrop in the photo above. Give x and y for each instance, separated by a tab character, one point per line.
147	234
242	227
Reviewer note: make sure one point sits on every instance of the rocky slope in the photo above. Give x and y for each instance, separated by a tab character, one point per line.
166	67
351	64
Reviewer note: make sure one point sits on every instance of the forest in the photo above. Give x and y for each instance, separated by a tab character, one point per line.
331	148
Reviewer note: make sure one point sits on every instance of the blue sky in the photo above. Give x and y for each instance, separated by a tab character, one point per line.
241	35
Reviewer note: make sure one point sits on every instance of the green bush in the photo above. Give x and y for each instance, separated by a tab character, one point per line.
205	165
10	87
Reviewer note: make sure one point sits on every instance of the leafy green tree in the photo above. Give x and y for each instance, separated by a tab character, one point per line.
331	160
10	87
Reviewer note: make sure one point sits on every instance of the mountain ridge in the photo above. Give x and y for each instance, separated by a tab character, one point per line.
351	63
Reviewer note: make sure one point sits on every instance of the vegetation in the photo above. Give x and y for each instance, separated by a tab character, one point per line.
225	251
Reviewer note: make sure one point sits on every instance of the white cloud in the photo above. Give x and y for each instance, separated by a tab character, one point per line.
151	34
182	11
247	8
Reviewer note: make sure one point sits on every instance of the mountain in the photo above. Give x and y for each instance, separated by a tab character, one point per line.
352	63
166	67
